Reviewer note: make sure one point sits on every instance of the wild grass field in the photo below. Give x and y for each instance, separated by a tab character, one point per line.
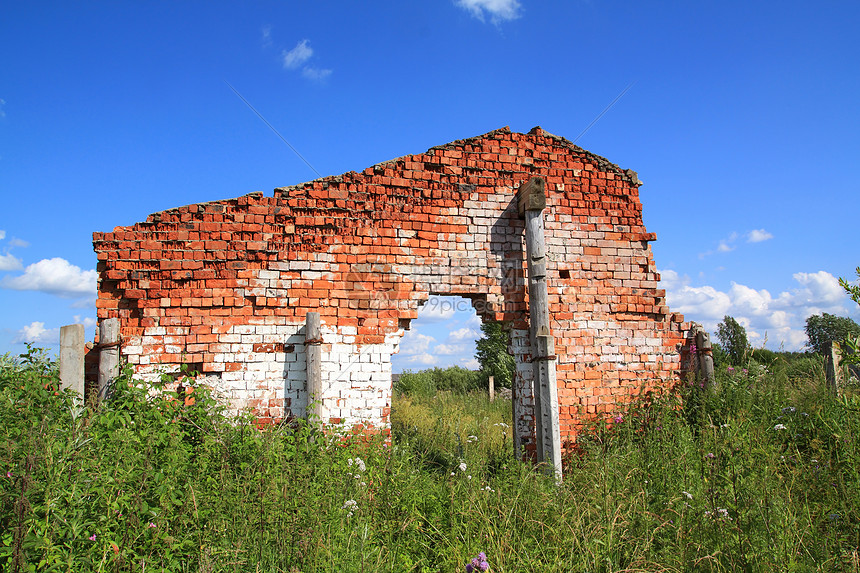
761	474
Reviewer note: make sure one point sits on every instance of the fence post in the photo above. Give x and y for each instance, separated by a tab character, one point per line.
706	358
108	354
313	353
72	358
492	384
833	368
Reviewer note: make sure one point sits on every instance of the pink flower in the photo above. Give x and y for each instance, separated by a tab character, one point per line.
92	537
619	418
151	524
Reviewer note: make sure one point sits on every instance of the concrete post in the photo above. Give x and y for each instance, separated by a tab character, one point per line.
833	368
72	358
313	351
706	358
532	201
108	354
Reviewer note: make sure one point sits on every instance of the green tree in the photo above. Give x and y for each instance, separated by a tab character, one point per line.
852	343
822	329
852	290
733	340
492	354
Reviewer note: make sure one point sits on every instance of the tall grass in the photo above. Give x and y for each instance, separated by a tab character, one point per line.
759	475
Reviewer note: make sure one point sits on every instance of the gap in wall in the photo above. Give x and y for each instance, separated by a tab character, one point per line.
443	335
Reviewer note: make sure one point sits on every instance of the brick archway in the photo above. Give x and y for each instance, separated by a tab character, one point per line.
227	284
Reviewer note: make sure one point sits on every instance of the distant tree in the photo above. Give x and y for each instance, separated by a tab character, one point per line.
733	340
822	329
492	354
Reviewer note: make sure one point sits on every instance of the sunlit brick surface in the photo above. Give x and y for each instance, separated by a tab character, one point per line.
226	285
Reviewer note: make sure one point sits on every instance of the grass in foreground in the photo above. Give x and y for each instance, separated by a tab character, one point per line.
761	475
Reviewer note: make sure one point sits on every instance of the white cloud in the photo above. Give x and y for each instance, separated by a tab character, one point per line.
819	288
449	349
729	244
10	263
267	36
498	10
54	276
758	235
464	333
475	321
470	363
414	342
87	321
2	234
36	333
15	242
315	74
705	302
423	359
780	320
437	309
298	55
2	112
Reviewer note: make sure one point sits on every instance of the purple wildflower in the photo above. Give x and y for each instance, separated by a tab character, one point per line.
619	418
92	537
478	563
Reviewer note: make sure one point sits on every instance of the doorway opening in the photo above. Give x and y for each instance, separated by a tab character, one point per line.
442	411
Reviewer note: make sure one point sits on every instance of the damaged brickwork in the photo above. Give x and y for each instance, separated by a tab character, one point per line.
225	286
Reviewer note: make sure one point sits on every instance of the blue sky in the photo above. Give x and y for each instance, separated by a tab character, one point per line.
742	120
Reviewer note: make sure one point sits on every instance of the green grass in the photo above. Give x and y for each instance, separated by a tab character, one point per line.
696	482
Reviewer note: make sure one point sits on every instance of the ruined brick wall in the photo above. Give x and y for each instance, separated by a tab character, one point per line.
225	286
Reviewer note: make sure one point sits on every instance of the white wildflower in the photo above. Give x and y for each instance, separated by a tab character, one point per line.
351	506
462	466
472	439
359	464
779	427
687	494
